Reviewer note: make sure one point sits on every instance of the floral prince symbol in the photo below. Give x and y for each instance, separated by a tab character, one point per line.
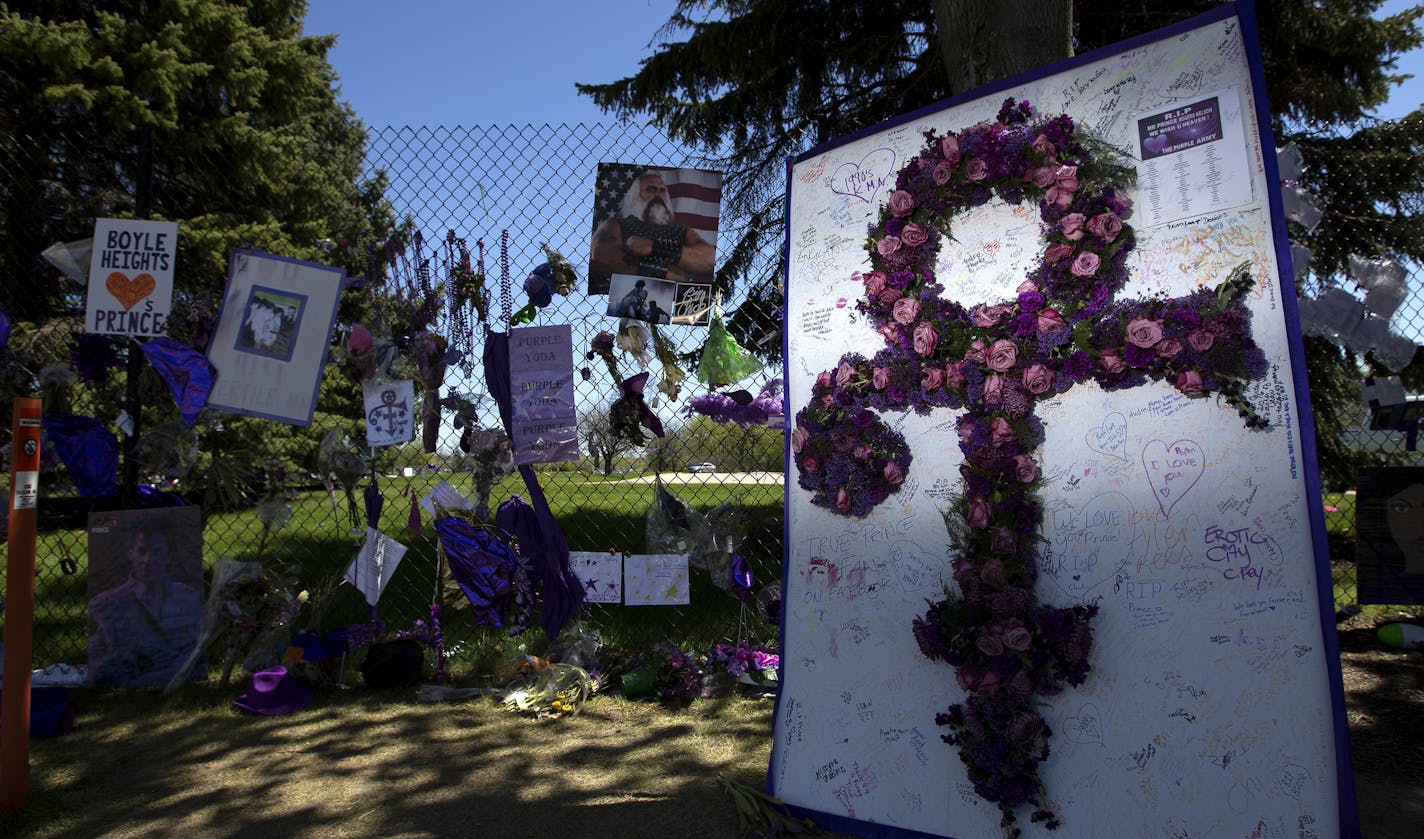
995	361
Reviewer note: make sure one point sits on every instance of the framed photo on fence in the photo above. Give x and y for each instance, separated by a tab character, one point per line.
273	331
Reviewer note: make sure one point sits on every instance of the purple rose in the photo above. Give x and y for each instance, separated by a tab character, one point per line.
931	378
880	377
975	351
989	645
1002	355
1050	321
1072	226
1112	361
891	332
977	516
943	171
1190	383
893	475
1144	332
906	310
993	573
1043	147
1200	340
1105	226
824	380
976	169
954	375
902	203
799	438
1059	197
874	283
889	295
842	501
1016	635
1169	348
1085	264
1042	177
844	373
1004	543
914	235
949	147
1038	379
993	389
1026	286
1057	253
1025	469
925	339
888	245
810	464
1067	178
1000	431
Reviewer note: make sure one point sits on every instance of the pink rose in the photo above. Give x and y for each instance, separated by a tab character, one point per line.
931	378
889	295
989	684
1038	379
888	245
799	438
891	332
1112	361
976	169
824	380
892	473
985	316
965	429
1072	225
1169	348
1004	543
1144	332
1067	178
1042	177
1057	253
360	340
902	203
954	375
967	681
879	377
943	171
1026	287
1002	355
1085	264
1059	197
1050	321
1190	383
925	339
993	573
977	516
874	283
1200	340
906	310
993	389
1105	226
1043	147
975	351
914	235
1025	469
1000	431
1016	635
843	501
844	373
863	452
810	464
989	645
949	147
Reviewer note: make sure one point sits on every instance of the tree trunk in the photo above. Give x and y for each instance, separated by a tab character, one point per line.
982	41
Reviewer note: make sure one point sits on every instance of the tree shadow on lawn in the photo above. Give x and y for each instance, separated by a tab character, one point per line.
366	763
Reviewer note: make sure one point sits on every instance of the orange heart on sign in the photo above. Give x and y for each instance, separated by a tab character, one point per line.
129	291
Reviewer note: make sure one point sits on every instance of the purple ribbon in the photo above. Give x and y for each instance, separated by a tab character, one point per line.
188	373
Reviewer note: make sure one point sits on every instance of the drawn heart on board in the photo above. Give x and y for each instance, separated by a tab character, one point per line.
1172	470
863	180
129	291
1110	438
1090	544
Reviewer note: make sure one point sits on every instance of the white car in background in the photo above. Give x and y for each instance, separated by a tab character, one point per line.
702	467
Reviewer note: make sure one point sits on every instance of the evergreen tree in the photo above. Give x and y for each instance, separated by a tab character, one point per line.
754	82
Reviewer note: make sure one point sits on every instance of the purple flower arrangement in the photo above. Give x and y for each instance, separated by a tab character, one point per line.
677	679
995	362
744	659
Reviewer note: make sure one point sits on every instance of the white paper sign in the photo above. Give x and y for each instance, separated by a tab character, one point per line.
1192	158
541	374
655	580
374	565
131	277
600	573
390	414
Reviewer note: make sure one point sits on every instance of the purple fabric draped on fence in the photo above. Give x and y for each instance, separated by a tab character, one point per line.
562	594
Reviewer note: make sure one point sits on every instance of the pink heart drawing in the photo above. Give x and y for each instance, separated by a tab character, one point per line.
863	180
1172	470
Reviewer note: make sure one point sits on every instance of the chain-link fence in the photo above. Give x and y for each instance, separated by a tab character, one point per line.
502	194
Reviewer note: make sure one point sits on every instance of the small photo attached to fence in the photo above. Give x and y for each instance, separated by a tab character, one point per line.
145	594
270	322
1389	522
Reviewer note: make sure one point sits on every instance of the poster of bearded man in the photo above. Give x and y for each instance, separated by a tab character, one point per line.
660	223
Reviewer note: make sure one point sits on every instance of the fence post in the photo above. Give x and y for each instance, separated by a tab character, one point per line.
133	405
19	606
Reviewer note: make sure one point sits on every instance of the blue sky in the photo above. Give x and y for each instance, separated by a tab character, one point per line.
457	62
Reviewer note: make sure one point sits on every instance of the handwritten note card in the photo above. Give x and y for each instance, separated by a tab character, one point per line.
655	580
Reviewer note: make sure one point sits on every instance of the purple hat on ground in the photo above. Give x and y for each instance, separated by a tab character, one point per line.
273	692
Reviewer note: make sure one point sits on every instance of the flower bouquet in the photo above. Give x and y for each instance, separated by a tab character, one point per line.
751	665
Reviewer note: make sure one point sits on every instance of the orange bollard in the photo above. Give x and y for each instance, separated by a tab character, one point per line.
19	607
